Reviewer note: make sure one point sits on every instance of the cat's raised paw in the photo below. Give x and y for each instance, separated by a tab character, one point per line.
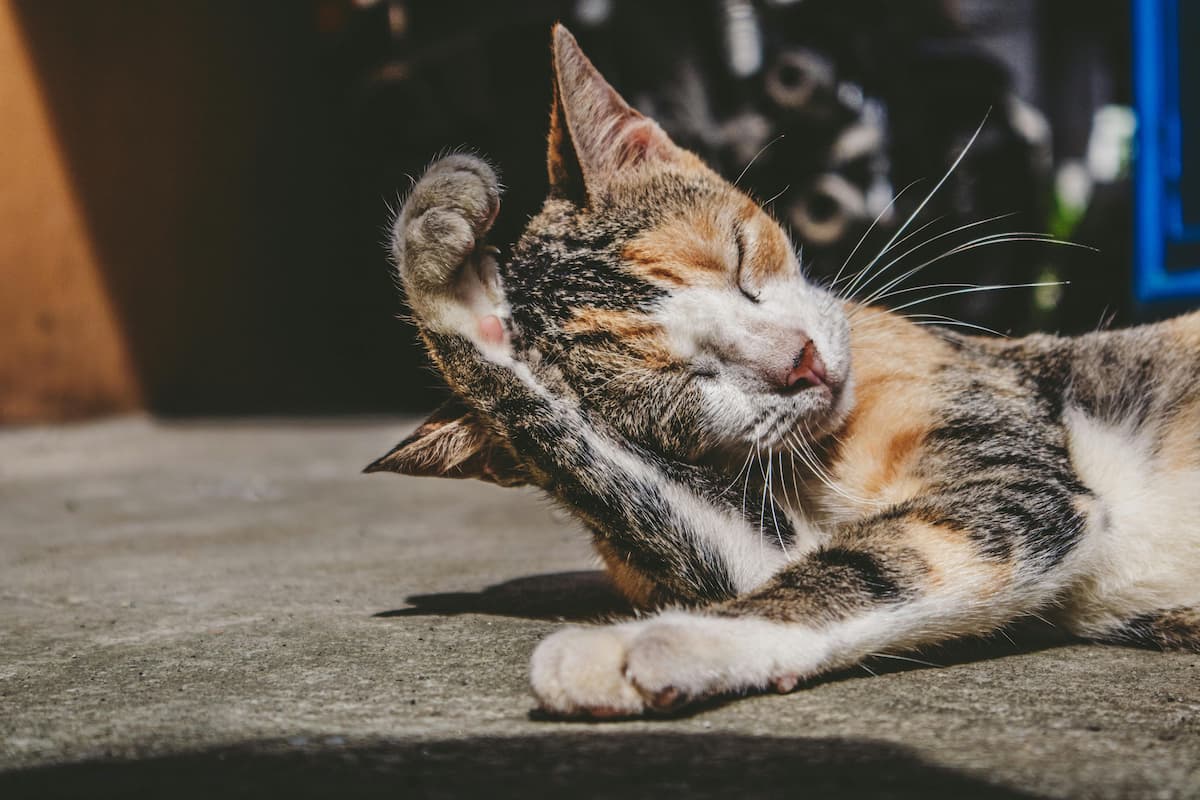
445	219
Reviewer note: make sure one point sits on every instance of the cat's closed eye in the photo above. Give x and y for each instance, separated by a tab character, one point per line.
753	297
706	367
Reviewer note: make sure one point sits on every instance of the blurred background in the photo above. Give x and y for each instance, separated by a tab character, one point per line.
196	192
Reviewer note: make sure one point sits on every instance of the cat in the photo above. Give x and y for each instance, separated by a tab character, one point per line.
795	481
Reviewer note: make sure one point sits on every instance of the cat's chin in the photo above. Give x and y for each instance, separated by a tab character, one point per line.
803	429
824	412
787	427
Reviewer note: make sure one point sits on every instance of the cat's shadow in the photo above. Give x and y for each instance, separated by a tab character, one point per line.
568	596
589	595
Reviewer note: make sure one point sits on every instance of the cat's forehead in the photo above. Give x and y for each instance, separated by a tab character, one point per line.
709	245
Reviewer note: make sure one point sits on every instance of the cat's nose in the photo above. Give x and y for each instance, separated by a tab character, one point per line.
807	368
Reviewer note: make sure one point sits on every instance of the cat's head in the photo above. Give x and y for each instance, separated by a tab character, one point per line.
660	297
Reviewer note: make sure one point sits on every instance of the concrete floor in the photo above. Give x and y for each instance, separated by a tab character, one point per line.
231	608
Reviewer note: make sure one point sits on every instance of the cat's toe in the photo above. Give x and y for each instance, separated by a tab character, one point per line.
579	672
674	665
461	183
433	248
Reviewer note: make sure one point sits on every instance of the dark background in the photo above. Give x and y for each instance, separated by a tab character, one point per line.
235	162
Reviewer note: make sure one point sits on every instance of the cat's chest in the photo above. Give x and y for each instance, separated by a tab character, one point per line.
875	461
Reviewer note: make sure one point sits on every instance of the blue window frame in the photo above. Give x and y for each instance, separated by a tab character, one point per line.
1166	61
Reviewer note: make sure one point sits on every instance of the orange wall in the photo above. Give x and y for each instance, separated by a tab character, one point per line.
62	354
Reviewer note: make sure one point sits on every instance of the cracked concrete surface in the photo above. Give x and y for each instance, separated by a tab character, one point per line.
229	607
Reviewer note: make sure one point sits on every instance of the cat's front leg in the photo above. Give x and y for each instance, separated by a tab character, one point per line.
887	586
673	527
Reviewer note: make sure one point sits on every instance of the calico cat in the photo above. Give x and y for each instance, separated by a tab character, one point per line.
800	480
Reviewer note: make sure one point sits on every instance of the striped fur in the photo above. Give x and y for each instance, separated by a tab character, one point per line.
635	358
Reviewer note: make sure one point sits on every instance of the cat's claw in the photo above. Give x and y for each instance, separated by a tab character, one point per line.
666	700
785	683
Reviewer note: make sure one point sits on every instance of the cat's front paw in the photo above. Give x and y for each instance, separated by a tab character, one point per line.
660	665
580	672
444	221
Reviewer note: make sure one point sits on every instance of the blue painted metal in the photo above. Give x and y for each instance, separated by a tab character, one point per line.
1166	238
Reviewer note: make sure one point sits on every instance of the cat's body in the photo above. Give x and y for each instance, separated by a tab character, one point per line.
831	479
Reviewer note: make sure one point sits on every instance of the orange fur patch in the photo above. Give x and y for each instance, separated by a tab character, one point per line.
637	588
699	248
769	252
950	552
893	411
1177	437
632	329
621	324
684	252
1185	330
1177	434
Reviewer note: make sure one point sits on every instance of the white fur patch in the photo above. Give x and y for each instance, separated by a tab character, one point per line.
743	343
623	669
1142	548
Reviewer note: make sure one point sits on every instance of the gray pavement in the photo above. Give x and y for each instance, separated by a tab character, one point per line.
228	608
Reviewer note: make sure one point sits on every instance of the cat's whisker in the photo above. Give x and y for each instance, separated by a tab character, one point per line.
762	511
909	289
788	498
921	207
810	460
983	241
917	232
940	319
948	286
921	246
976	289
793	500
770	488
761	150
827	480
737	477
823	475
746	483
870	228
773	509
882	317
906	658
871	321
797	447
795	484
775	197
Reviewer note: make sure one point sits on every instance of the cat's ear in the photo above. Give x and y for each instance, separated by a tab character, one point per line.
452	443
594	133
